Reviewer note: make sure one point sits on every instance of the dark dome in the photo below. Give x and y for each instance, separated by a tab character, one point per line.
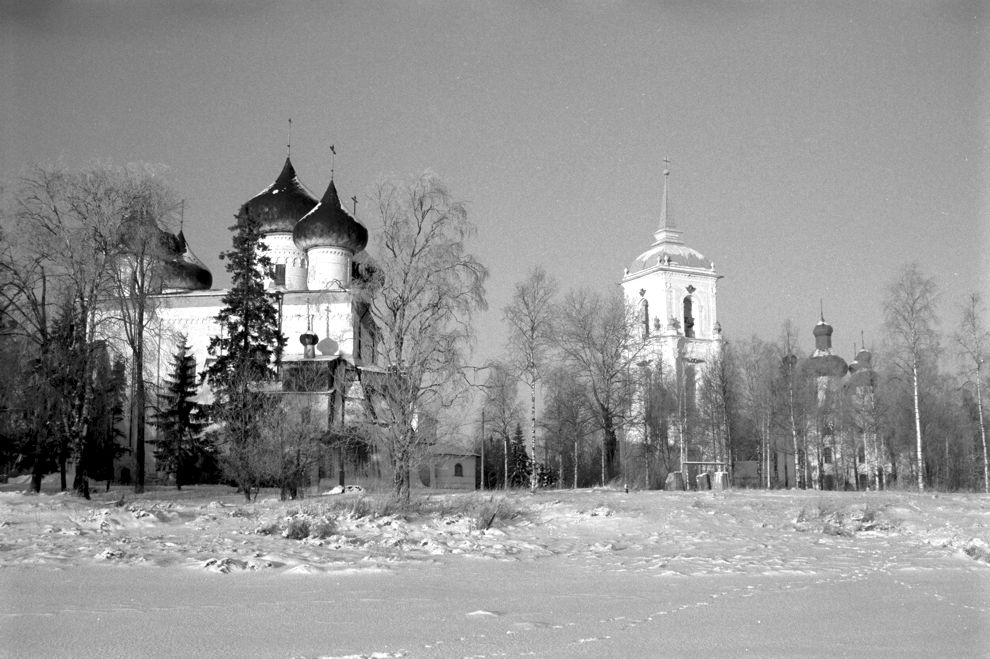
280	205
825	366
137	234
185	271
329	225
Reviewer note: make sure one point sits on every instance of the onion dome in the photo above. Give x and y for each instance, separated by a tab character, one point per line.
280	205
139	234
308	339
861	373
329	225
825	366
822	362
185	271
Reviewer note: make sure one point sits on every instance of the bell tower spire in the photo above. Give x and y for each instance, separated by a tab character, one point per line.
668	231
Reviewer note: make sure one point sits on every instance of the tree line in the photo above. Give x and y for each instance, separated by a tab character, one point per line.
909	413
577	400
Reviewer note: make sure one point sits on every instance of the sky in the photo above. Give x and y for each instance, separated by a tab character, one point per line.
815	148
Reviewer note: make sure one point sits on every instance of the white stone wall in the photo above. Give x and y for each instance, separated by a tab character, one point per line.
282	250
329	268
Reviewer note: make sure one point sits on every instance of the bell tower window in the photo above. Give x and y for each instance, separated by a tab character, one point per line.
279	279
688	319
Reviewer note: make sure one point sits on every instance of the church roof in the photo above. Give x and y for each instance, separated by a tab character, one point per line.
329	225
668	248
185	271
281	204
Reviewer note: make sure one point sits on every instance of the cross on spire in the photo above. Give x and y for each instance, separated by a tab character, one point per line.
288	139
333	154
354	199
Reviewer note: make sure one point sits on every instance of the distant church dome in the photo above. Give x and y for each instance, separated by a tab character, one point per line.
823	363
329	225
181	269
280	205
185	271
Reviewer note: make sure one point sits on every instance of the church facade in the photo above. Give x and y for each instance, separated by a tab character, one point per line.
317	249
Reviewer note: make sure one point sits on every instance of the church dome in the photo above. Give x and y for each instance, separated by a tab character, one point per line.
139	234
185	271
329	225
280	205
825	366
669	254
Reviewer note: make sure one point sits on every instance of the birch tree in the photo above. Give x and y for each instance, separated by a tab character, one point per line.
530	316
973	345
421	298
598	336
910	319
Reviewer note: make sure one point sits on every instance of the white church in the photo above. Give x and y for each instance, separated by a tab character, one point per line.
317	249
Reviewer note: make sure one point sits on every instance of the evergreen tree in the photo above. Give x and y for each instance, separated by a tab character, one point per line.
102	448
180	421
520	465
244	352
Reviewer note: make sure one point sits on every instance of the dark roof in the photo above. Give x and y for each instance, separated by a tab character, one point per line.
329	225
824	366
185	271
280	205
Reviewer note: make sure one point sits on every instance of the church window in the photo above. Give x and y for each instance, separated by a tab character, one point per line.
688	319
646	318
827	455
458	470
279	279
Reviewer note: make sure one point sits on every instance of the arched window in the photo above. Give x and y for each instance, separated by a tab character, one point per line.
458	470
688	319
645	310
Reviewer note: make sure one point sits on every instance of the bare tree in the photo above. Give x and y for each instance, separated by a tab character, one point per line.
501	409
790	376
421	299
530	315
758	399
973	343
569	419
67	253
142	250
910	318
599	338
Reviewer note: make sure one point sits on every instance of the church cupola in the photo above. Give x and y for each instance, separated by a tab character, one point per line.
278	208
331	237
823	336
185	272
823	363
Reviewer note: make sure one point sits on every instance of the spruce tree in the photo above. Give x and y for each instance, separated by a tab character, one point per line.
520	466
180	420
244	352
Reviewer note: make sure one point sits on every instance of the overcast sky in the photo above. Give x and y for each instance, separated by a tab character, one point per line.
815	147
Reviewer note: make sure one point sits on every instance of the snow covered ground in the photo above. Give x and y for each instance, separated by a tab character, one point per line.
588	573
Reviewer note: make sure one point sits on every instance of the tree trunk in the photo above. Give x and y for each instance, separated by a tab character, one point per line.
137	409
533	478
505	456
983	429
917	428
575	464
